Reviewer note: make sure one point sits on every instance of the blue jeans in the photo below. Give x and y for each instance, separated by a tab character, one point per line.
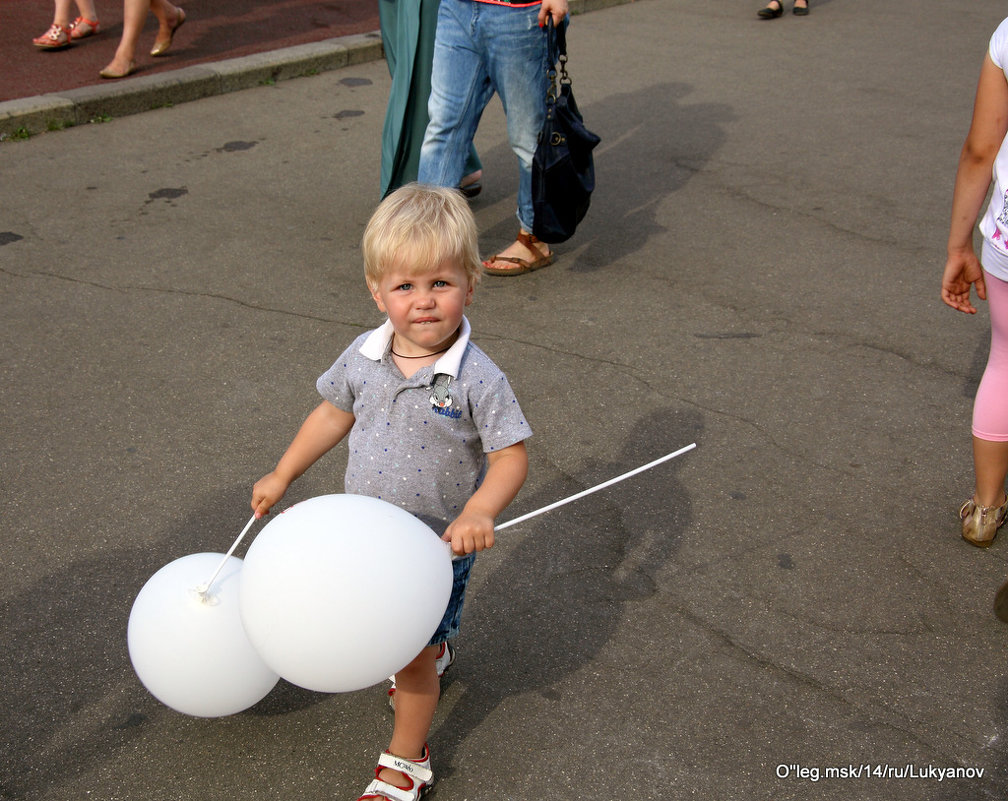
448	628
480	49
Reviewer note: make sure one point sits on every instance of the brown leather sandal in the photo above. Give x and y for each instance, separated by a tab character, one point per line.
522	266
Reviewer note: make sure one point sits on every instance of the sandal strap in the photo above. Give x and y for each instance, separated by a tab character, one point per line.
528	240
968	508
418	771
510	260
380	789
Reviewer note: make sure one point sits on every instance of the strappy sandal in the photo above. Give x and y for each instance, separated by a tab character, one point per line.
444	660
417	772
980	523
82	27
522	265
56	38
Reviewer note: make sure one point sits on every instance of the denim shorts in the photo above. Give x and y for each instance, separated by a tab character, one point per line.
449	626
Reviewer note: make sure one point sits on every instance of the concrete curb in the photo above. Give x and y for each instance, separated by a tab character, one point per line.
58	110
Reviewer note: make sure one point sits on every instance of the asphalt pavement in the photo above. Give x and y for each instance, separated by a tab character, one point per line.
224	46
785	612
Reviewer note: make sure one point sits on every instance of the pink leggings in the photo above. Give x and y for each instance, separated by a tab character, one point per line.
990	409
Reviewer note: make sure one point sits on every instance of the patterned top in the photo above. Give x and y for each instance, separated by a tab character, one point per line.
994	223
410	444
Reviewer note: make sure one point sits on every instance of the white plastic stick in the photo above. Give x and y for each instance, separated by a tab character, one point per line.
205	588
596	488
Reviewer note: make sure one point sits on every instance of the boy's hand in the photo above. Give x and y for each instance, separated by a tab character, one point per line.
267	491
469	532
321	430
473	530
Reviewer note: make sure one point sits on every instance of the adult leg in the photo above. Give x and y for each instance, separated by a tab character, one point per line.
86	9
460	90
517	62
403	29
134	16
63	11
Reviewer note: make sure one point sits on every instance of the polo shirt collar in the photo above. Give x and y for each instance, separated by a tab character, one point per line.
378	342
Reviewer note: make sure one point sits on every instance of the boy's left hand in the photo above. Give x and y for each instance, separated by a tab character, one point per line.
469	532
473	530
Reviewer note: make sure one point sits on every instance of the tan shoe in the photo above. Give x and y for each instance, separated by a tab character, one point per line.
980	523
161	47
108	72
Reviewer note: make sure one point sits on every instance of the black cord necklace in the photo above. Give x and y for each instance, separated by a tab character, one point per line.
421	356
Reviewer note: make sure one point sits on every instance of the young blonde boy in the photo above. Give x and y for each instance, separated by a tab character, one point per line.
432	426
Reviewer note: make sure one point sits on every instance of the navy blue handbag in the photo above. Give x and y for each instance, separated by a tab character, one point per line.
563	170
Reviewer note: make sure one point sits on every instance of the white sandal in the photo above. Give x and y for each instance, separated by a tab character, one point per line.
417	772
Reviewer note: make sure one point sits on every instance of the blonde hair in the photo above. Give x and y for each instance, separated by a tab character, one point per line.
417	228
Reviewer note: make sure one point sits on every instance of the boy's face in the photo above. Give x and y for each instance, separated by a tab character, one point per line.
425	308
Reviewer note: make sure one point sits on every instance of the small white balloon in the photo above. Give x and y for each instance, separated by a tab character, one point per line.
341	591
187	643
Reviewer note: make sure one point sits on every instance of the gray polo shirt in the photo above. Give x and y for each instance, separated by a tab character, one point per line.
404	447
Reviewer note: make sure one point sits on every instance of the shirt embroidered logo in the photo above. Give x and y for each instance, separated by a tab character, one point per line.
440	399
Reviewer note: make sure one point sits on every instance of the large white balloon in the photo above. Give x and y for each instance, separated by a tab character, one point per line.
341	591
189	648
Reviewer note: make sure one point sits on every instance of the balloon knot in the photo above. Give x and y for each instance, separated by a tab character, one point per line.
202	594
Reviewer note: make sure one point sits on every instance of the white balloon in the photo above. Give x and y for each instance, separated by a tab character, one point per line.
341	591
189	649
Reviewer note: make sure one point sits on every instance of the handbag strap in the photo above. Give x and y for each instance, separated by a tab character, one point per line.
557	45
557	38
